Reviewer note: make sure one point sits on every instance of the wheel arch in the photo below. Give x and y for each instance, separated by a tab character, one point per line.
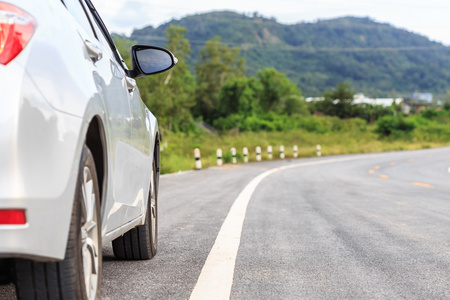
96	142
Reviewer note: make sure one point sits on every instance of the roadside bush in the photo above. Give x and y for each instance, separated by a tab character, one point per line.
429	113
433	132
355	124
230	122
326	124
388	125
281	122
255	123
263	122
318	124
227	157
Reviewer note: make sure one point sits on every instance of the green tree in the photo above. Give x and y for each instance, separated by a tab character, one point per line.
388	125
447	100
218	64
239	96
295	105
276	87
338	102
370	112
170	95
396	108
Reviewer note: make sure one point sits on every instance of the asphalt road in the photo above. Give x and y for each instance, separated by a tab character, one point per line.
372	226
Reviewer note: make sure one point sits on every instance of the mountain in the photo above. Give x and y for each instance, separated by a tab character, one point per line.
377	59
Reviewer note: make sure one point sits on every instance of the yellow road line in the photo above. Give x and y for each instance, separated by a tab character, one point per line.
384	176
377	167
422	184
411	159
371	171
393	163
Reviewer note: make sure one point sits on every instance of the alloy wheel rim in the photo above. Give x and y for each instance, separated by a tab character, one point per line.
89	235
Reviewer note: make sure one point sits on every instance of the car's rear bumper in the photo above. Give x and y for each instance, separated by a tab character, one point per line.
44	236
39	156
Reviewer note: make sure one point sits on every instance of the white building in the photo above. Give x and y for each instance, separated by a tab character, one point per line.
386	102
314	99
427	97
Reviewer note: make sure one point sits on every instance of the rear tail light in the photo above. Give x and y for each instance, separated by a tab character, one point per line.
12	217
16	29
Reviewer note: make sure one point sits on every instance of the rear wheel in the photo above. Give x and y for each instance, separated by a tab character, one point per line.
78	276
141	242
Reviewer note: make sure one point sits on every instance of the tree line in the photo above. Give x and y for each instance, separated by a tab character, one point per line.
221	95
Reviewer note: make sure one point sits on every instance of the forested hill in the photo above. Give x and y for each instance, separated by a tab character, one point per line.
377	59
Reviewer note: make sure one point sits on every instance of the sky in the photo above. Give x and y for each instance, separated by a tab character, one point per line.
425	17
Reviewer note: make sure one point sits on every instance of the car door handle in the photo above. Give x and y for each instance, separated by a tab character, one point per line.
131	84
94	51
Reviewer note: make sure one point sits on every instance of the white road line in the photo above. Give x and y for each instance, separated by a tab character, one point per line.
177	173
216	277
448	169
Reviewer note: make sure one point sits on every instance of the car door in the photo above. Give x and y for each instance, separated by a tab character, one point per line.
129	134
110	80
141	154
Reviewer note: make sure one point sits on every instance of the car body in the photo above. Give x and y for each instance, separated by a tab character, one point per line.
65	93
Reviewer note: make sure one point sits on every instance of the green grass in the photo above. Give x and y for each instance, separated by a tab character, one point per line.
178	148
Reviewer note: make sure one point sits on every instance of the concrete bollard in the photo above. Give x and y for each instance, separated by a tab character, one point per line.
258	153
198	162
233	154
245	152
219	157
269	152
319	150
282	152
295	148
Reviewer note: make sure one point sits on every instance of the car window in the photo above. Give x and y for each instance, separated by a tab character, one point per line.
78	12
105	33
98	31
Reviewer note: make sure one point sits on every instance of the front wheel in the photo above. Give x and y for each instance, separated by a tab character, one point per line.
78	276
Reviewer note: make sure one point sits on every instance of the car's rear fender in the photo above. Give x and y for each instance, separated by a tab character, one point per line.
39	158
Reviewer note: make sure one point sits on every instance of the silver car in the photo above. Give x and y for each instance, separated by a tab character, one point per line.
79	150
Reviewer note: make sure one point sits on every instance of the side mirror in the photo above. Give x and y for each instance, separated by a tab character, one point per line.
148	60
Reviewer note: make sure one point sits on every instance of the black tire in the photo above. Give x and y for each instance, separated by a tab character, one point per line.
140	243
5	271
66	279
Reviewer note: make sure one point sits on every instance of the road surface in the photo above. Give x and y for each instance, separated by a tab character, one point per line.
373	226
